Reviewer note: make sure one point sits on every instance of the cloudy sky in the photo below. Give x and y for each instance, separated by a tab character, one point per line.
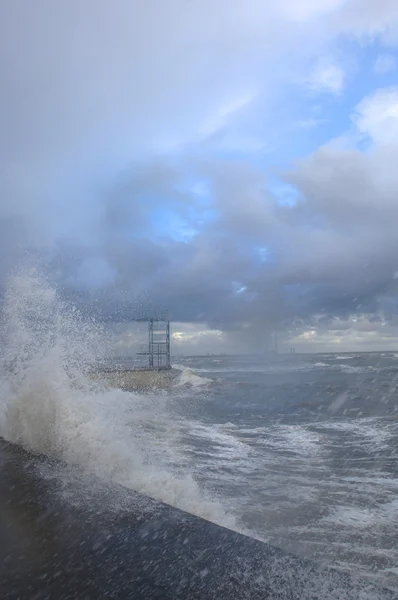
232	160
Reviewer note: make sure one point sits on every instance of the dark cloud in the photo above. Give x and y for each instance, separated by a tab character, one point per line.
326	263
88	88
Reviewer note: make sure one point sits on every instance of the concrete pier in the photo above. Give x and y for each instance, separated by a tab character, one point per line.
55	547
136	379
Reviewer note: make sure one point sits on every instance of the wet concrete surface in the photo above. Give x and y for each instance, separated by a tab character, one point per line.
139	380
53	548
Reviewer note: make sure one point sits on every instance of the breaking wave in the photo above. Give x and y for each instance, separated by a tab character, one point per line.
49	405
189	377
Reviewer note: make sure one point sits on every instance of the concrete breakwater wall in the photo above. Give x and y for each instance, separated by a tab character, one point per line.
136	379
51	547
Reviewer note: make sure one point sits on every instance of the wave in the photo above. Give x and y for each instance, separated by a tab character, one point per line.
48	405
189	377
281	368
368	432
359	369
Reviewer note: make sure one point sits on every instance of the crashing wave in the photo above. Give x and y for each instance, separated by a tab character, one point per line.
189	377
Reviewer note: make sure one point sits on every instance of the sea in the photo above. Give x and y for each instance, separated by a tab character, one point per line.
300	451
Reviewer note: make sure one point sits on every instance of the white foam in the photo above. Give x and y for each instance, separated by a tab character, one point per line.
300	440
351	516
189	377
49	406
356	517
224	445
363	369
296	439
178	367
272	368
369	431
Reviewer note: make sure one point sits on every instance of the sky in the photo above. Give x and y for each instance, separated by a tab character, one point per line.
231	161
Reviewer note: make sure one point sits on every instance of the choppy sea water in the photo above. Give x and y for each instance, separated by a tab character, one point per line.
302	449
298	450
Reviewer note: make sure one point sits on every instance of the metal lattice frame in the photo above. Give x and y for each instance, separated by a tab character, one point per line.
158	352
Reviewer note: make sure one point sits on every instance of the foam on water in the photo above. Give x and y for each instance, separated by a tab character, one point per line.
360	517
220	443
189	377
293	438
266	368
367	430
350	369
48	405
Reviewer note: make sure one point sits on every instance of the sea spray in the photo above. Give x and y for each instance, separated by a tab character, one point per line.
189	377
48	404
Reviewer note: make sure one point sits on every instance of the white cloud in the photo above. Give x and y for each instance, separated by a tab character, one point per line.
376	115
352	335
197	338
306	10
309	123
367	19
384	64
327	77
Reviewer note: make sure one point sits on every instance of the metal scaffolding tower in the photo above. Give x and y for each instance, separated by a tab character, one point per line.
158	352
